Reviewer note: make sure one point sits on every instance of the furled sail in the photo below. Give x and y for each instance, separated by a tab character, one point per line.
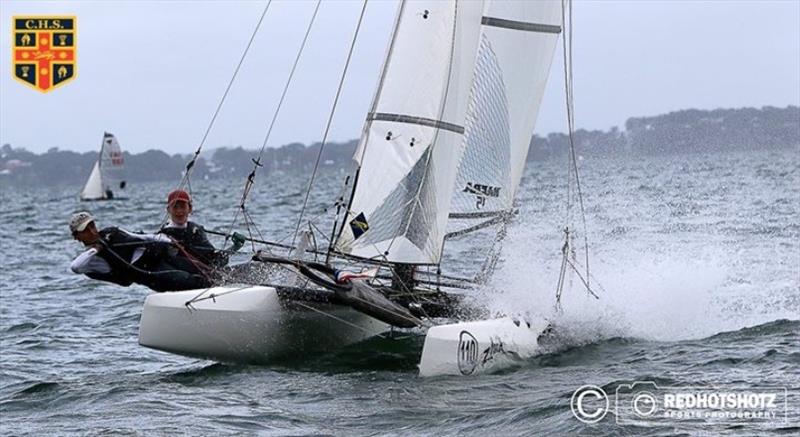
517	42
408	154
106	173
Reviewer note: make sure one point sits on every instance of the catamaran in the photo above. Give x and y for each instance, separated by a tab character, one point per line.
440	157
106	174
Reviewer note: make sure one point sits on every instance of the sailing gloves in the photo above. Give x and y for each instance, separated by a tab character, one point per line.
238	241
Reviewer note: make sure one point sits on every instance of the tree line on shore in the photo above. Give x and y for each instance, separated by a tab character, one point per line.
687	131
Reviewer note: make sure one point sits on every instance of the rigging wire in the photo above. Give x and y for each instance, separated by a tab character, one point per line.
257	162
185	180
191	163
330	121
566	25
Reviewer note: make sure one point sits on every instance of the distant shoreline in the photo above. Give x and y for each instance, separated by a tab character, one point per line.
686	131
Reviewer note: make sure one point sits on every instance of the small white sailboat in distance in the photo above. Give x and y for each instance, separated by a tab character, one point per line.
106	174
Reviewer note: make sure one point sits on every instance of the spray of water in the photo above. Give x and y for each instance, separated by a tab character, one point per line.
645	294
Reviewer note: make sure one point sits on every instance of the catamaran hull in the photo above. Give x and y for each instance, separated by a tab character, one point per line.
251	324
479	347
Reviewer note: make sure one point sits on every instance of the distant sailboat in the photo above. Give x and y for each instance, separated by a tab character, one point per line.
107	172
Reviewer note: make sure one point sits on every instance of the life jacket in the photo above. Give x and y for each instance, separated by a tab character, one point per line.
193	238
189	236
118	249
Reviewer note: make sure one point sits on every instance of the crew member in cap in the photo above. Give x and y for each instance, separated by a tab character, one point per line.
122	257
191	237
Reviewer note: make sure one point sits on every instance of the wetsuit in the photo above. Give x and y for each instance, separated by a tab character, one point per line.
125	258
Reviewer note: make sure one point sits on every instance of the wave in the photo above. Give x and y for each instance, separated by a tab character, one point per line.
780	326
38	387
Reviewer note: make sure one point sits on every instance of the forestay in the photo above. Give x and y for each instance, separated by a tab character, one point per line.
409	150
517	43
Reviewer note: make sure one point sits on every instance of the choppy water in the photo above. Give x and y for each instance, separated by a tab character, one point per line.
699	258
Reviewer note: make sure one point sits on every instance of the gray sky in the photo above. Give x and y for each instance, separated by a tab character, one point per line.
152	72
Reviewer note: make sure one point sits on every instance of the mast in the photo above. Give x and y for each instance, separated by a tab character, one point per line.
100	165
365	129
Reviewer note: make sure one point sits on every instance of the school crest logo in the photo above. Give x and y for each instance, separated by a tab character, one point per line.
43	50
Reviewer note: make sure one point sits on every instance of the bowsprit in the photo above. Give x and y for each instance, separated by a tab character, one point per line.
44	50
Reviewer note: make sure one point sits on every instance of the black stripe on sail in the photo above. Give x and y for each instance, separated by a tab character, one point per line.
481	214
422	121
520	25
479	226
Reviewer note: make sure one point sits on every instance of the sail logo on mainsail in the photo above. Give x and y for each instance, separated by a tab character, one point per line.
44	50
482	191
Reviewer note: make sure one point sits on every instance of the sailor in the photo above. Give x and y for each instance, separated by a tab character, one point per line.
191	237
118	256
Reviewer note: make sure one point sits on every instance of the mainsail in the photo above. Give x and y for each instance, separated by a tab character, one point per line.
105	174
409	150
517	42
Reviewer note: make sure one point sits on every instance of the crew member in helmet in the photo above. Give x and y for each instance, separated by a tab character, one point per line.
191	237
122	257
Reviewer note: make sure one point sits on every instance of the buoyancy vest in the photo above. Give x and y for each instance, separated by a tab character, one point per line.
118	250
193	238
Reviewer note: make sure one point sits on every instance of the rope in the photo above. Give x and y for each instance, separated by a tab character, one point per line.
257	162
330	121
199	265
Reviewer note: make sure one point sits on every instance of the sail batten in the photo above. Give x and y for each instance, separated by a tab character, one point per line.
477	215
422	121
520	25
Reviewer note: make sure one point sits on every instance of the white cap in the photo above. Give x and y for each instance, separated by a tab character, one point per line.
79	221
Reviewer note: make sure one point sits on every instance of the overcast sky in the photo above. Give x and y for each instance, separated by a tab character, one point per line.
152	72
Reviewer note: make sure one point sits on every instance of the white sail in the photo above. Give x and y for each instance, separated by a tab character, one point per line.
517	42
94	185
106	173
411	144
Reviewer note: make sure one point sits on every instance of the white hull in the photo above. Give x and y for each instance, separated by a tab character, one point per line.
252	324
249	324
478	347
